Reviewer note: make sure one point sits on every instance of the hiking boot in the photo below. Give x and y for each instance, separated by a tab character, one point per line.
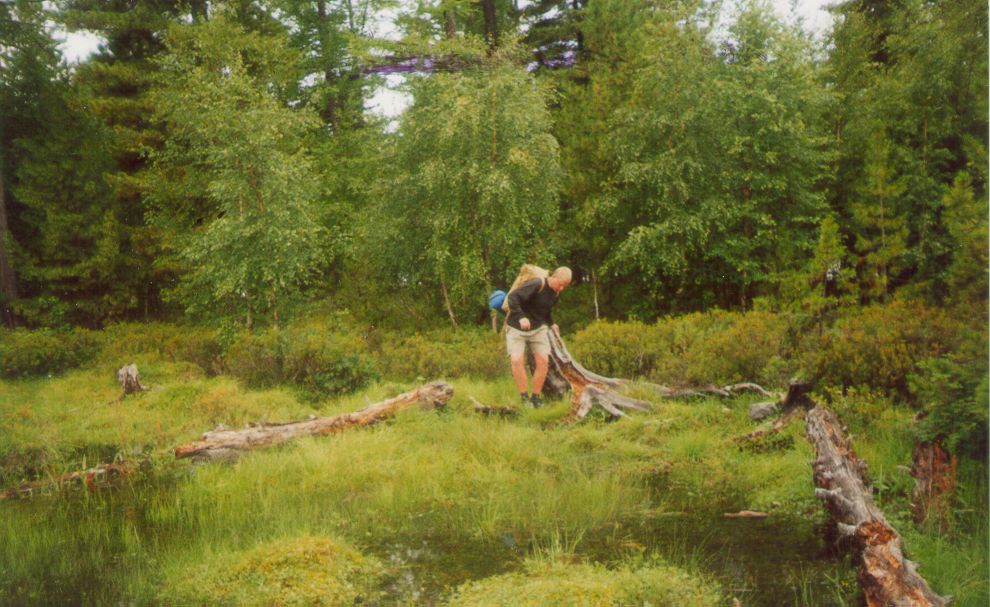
524	398
536	400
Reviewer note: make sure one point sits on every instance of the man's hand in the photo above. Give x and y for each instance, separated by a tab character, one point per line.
524	324
556	328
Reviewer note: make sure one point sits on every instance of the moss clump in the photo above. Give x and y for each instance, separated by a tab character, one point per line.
291	571
587	586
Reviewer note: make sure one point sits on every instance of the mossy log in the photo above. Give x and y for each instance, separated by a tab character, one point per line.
885	575
222	443
588	389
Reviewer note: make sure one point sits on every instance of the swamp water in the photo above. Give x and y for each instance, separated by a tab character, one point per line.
101	548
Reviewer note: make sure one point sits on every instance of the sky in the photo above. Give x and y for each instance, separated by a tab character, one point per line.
389	102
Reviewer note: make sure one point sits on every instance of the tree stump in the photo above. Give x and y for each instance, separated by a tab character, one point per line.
934	472
129	379
589	389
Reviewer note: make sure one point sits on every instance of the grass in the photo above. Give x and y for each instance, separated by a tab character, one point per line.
441	499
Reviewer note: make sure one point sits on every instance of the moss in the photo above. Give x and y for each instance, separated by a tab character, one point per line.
304	570
587	585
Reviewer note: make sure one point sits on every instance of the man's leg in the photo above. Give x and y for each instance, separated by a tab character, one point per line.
519	372
540	372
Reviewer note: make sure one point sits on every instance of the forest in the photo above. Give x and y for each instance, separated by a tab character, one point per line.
210	197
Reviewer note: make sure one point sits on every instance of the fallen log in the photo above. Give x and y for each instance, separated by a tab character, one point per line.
589	389
885	575
223	443
93	478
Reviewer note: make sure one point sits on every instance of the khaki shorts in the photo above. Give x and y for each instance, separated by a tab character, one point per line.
538	340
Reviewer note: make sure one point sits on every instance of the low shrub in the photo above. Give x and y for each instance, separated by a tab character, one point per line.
473	352
587	586
316	355
292	571
44	352
327	364
879	347
198	345
257	358
693	349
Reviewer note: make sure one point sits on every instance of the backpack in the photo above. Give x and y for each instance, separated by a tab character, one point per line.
527	272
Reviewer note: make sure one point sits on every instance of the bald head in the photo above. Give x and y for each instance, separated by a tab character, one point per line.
560	279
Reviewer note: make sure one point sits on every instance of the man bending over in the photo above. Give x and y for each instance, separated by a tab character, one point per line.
528	322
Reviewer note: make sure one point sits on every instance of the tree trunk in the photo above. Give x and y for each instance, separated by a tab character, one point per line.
8	282
449	25
446	303
491	23
329	111
594	292
222	443
886	577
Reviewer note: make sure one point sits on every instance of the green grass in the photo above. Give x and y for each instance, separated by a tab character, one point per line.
443	498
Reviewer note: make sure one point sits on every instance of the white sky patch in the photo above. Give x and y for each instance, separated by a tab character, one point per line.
389	100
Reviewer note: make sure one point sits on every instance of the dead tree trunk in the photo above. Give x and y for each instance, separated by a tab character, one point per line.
129	379
589	389
934	473
223	443
886	577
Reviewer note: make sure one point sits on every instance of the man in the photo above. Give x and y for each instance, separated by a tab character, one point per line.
529	322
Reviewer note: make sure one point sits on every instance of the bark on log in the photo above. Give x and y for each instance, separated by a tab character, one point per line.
589	389
223	443
129	379
934	473
886	577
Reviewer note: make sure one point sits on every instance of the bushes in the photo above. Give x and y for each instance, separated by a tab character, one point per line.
699	348
197	345
294	571
587	585
879	346
438	354
43	352
315	355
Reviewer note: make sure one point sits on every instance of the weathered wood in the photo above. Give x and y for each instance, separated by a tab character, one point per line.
934	472
589	389
222	443
745	514
93	478
129	379
885	575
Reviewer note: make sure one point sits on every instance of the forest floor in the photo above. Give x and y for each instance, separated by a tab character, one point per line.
440	499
